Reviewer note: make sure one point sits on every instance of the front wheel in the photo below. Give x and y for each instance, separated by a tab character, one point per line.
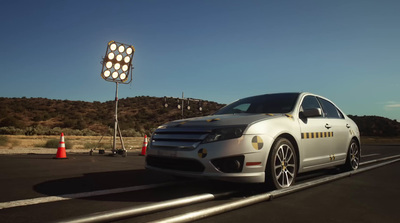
282	165
353	156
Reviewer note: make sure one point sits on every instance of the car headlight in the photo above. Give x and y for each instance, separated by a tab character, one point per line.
225	133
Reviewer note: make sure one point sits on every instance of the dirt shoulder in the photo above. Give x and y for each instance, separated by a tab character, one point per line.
369	140
20	144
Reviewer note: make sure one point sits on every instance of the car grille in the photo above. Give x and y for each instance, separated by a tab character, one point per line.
175	163
180	138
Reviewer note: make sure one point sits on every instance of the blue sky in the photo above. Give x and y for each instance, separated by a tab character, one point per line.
218	50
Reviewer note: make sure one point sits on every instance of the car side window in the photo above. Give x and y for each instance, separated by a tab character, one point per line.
242	108
310	102
330	110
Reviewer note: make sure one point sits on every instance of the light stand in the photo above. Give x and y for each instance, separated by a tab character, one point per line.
117	66
116	126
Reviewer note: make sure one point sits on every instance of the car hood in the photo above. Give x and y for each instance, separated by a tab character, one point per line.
220	120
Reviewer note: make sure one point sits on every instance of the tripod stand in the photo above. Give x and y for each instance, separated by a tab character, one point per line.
116	128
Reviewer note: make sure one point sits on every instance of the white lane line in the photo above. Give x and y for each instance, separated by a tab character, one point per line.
129	212
379	160
230	206
367	155
41	200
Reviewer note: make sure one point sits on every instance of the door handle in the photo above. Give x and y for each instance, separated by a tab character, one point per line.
328	126
348	126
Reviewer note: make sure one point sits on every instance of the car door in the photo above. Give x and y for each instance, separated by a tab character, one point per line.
339	128
316	135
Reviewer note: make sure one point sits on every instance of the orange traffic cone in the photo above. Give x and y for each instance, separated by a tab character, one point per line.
61	154
144	147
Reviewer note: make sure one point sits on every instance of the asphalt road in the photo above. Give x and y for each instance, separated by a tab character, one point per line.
63	189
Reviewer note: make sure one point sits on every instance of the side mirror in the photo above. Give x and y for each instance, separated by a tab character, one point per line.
312	112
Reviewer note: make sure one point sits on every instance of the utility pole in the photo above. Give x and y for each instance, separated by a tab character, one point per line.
181	104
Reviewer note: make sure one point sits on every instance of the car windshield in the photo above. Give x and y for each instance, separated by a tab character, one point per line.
269	103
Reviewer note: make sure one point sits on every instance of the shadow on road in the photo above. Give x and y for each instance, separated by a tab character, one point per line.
130	178
72	183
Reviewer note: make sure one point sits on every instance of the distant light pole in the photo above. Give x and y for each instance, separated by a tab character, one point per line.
117	67
181	103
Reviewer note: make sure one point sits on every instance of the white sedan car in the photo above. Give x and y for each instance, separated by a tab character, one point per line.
266	138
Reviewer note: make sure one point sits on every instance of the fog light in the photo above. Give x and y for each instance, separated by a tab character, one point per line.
229	164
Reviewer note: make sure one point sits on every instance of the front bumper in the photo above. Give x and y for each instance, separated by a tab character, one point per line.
236	160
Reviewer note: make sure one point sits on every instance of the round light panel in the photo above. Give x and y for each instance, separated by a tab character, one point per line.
117	62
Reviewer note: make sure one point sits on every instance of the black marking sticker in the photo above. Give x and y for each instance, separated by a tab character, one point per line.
315	135
257	142
202	153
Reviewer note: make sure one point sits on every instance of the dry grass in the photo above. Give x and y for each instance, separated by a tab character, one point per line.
369	140
77	142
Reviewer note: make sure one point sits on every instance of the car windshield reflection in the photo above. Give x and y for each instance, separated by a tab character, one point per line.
270	103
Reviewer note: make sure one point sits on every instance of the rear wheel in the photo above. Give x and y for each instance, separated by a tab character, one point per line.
282	165
353	156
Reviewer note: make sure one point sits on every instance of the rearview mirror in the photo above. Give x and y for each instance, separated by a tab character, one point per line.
312	112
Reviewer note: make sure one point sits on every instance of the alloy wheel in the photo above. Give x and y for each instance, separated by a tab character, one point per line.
285	165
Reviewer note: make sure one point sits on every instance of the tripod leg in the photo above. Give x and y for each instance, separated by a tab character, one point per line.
124	152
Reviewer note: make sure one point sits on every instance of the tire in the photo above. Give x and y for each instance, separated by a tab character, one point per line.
282	165
353	156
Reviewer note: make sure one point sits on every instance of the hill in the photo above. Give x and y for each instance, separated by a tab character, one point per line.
137	116
377	126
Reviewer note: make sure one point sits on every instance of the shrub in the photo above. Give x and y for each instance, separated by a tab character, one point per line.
11	130
3	140
51	143
131	133
54	143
